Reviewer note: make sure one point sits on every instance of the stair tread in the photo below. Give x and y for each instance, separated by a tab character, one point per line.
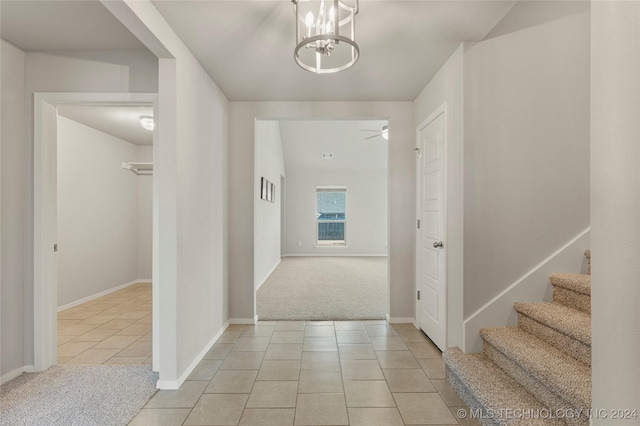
491	387
561	373
580	283
566	320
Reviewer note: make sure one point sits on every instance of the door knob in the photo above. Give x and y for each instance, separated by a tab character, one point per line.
438	244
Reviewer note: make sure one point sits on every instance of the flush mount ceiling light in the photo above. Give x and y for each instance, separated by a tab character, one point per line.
146	121
325	35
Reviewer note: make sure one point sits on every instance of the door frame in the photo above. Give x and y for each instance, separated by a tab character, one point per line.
441	110
45	283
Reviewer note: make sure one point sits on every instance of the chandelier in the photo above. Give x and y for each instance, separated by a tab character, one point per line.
325	35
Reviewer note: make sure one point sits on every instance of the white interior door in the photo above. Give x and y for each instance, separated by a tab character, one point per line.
431	251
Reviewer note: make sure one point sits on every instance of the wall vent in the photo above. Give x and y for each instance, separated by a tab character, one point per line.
327	155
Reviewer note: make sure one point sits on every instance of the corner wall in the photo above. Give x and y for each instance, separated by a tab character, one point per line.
144	154
446	87
13	215
269	165
97	212
526	148
615	208
192	197
104	71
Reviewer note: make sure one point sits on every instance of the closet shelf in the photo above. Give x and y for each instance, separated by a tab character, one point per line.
139	168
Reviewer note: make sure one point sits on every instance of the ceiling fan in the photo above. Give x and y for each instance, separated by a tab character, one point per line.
384	133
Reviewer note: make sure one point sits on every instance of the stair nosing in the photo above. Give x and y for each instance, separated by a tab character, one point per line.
480	388
533	311
527	361
578	283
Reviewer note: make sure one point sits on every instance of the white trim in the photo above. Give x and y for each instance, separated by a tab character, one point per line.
44	215
533	285
102	293
249	321
440	110
269	274
175	384
335	255
400	320
15	373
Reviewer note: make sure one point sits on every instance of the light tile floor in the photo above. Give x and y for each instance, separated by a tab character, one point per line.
113	329
313	373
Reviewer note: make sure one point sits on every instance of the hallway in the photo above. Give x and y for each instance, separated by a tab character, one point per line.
313	373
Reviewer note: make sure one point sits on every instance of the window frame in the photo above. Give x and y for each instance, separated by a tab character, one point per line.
342	189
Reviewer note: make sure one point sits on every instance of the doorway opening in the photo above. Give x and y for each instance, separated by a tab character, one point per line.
90	225
104	227
321	242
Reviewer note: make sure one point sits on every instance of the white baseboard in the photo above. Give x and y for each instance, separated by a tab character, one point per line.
102	293
268	275
249	321
15	373
532	286
175	384
399	320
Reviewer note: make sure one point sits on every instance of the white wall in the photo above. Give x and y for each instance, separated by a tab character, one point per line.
615	207
446	87
270	165
13	215
144	154
191	197
526	145
97	212
105	71
366	224
359	165
401	191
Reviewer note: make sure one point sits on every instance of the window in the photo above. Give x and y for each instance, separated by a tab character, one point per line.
331	216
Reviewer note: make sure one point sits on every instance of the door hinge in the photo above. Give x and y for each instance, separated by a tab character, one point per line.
418	294
418	223
55	248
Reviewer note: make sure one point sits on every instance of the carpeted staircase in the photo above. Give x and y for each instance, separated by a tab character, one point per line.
538	373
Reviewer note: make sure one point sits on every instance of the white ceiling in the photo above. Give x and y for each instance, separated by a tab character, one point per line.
247	46
63	25
120	121
304	141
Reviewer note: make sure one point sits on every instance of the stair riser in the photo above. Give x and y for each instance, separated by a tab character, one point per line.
579	301
467	396
538	389
567	344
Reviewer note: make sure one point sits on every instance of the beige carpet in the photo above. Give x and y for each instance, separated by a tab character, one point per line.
541	368
325	288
